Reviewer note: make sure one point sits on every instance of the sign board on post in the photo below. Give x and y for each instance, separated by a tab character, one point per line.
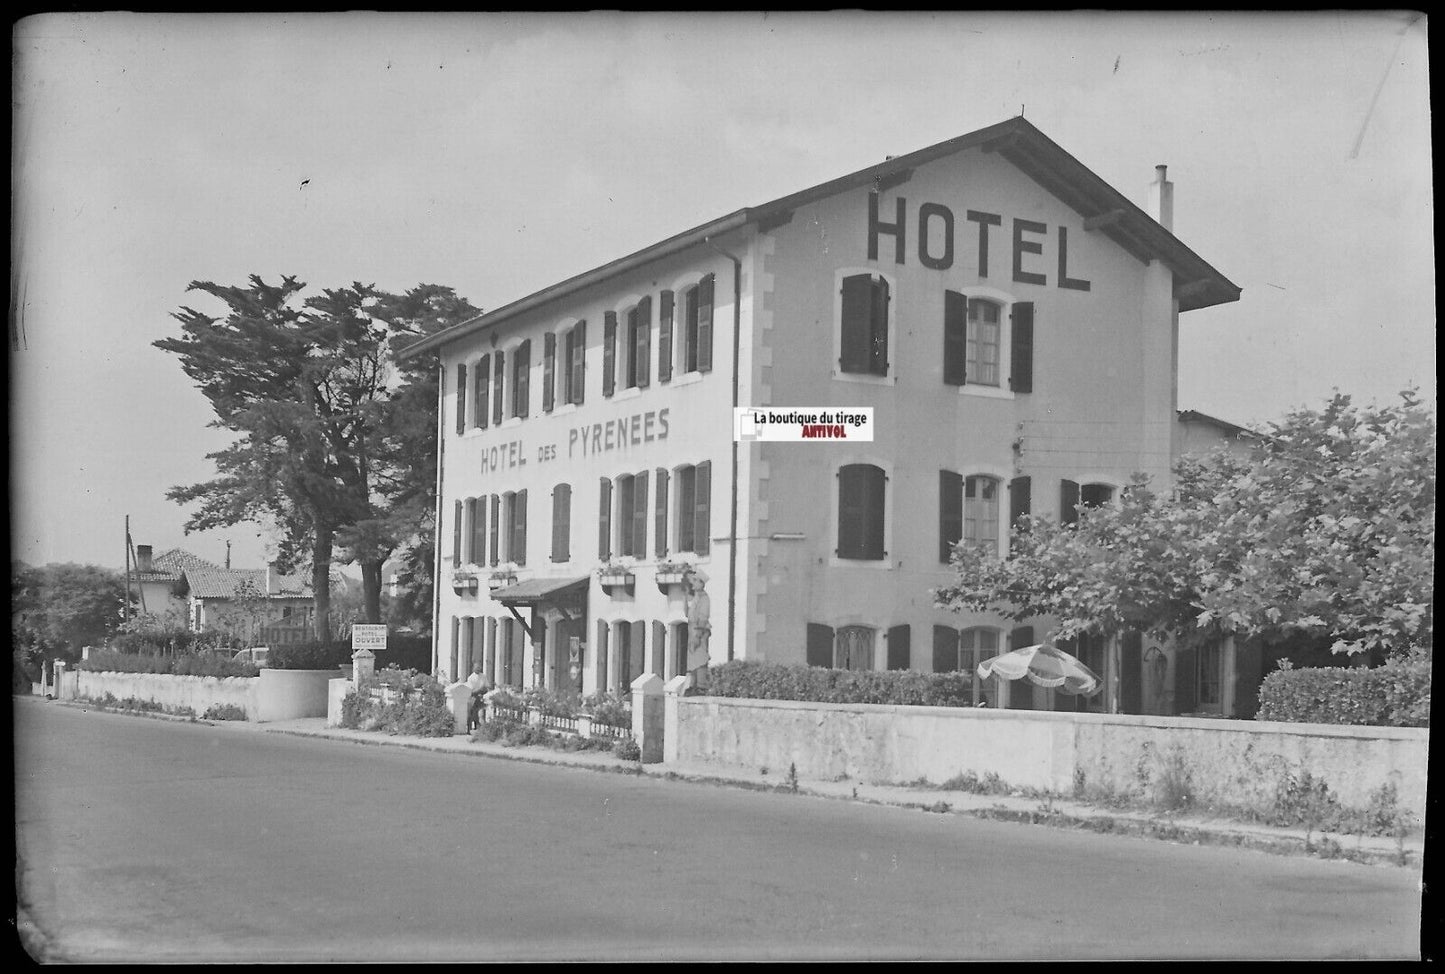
368	637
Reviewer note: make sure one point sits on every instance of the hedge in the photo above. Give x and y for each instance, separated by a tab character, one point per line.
403	652
772	681
1393	695
185	664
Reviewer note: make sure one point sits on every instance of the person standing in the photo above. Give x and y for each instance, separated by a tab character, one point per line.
699	628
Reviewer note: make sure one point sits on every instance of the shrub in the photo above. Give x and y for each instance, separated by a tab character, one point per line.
224	711
628	750
199	664
1393	695
417	709
609	709
312	655
771	681
551	702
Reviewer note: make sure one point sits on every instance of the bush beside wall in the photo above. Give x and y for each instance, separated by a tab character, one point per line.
771	681
1394	695
200	664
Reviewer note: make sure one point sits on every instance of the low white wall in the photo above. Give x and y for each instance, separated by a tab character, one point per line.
1226	761
291	694
196	692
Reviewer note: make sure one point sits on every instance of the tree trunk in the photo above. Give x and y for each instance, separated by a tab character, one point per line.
371	589
321	581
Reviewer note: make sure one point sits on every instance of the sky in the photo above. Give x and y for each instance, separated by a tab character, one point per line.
498	154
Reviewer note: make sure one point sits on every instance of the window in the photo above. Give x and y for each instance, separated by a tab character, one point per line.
521	369
860	512
477	517
562	522
983	342
853	648
1091	650
461	398
697	327
864	325
514	527
693	523
664	337
631	519
980	512
1074	496
1209	661
499	371
574	364
1096	495
957	651
973	342
639	345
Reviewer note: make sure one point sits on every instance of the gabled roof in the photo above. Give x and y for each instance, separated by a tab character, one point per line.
1104	209
170	566
221	583
1233	429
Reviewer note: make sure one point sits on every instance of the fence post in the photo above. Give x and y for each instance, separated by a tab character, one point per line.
671	718
647	717
459	699
363	663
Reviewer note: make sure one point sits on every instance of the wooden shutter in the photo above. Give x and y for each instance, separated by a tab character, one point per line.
898	648
950	513
639	515
522	385
1020	637
878	328
704	324
456	642
482	401
549	370
457	534
609	352
1131	672
604	521
701	511
1020	501
1021	371
857	293
519	527
496	529
659	649
599	658
664	338
860	512
579	369
1186	679
461	398
945	649
820	645
955	338
1068	502
491	658
642	345
499	372
660	522
561	522
478	554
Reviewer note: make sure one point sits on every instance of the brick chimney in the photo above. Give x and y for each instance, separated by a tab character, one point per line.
143	558
1161	199
273	578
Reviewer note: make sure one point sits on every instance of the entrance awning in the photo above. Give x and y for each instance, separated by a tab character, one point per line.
536	591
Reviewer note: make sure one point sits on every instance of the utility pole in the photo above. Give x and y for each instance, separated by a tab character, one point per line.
125	609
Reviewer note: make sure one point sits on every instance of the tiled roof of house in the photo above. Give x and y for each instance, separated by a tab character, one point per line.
211	582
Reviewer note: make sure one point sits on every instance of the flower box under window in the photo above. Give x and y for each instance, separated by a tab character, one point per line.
617	578
464	583
501	579
668	574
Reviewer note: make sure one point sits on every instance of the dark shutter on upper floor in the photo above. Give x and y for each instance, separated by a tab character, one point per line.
950	513
521	394
462	398
639	515
704	324
1020	501
856	325
604	521
496	529
499	373
861	499
1020	637
1068	502
479	532
820	645
898	647
481	402
457	534
664	337
578	366
519	528
878	337
642	344
562	522
1021	371
701	511
945	649
955	338
609	352
549	370
660	526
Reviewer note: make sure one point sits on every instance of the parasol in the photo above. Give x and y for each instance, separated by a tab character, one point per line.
1045	666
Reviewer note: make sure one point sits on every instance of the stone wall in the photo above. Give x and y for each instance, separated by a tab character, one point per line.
1217	761
198	693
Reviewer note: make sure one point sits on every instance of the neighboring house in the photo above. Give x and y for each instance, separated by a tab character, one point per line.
1011	319
1200	433
256	605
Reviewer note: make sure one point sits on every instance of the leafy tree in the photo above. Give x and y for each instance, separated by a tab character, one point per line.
321	436
58	609
1327	530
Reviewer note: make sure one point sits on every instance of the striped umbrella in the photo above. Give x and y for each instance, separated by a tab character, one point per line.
1045	666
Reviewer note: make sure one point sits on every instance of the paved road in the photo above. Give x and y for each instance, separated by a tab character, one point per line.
145	840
